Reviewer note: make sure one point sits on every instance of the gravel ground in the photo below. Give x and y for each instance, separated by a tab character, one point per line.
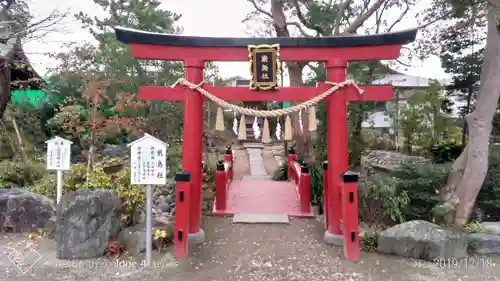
294	252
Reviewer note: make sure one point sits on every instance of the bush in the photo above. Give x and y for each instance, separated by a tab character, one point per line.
369	241
381	202
488	199
132	196
21	174
421	182
445	151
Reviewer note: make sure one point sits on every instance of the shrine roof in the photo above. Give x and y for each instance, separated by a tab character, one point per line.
133	36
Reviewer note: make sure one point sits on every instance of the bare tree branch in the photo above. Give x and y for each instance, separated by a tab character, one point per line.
401	16
44	25
304	21
363	17
7	6
262	11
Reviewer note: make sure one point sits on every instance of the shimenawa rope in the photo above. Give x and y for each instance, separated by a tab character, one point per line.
266	113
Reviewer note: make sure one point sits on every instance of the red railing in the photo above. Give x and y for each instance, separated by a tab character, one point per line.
223	178
300	176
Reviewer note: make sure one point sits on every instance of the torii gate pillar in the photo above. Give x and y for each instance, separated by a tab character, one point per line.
192	147
338	151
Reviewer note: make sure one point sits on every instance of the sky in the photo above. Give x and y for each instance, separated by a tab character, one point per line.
216	18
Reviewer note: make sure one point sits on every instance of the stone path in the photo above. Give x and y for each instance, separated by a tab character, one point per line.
256	162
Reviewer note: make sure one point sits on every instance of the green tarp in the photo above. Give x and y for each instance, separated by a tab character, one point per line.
31	98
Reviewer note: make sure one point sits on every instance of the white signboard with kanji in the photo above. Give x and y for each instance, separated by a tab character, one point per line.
148	160
58	154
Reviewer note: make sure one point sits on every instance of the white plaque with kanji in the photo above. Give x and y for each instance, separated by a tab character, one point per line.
148	160
58	154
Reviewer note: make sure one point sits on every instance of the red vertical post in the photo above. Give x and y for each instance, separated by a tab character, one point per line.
325	193
291	157
182	201
350	215
193	144
336	70
220	187
305	189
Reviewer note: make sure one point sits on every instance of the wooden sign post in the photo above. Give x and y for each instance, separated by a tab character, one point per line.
59	159
148	161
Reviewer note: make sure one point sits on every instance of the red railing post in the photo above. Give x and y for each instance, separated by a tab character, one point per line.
350	215
305	189
291	157
220	186
182	199
325	194
228	157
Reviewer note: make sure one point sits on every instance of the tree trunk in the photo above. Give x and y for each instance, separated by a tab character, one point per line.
5	79
470	169
303	141
5	94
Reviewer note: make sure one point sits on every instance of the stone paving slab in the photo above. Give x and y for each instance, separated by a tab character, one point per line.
253	145
256	162
260	218
259	177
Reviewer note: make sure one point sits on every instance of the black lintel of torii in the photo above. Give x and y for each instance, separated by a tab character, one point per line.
133	36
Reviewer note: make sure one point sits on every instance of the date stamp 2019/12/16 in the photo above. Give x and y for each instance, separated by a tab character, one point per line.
463	263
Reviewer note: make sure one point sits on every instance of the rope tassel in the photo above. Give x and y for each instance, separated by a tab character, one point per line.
288	128
266	135
312	119
242	132
219	121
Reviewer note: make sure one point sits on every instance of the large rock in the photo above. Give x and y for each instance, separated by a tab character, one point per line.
491	227
86	221
422	240
134	237
376	162
21	210
484	243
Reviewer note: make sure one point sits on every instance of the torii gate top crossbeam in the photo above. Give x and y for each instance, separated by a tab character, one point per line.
148	45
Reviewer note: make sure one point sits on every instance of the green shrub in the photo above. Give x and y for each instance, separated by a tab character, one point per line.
488	199
21	174
421	182
316	174
474	227
382	202
369	241
132	196
445	151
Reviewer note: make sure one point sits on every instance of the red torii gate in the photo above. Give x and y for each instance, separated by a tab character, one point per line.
336	52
